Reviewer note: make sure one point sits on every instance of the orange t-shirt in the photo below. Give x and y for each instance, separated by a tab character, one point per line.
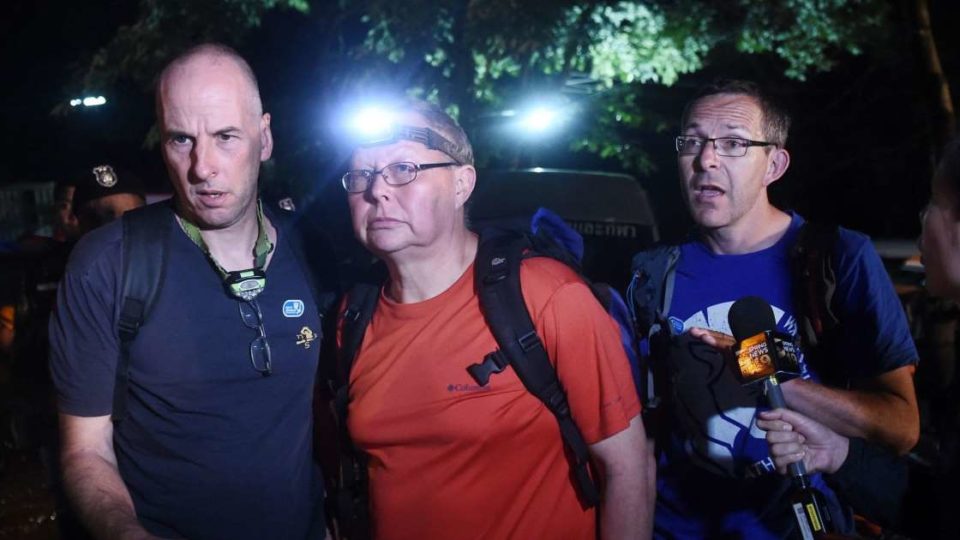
451	459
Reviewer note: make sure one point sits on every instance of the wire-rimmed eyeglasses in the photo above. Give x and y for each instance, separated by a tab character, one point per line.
395	174
723	146
259	348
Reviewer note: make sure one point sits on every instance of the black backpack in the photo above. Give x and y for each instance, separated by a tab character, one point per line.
146	233
497	281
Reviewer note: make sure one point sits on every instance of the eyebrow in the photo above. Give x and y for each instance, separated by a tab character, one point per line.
171	133
229	130
741	127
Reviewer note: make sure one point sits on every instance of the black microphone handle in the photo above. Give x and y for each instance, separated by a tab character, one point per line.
776	400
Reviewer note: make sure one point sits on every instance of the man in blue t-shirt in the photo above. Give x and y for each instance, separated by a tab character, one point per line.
715	476
217	437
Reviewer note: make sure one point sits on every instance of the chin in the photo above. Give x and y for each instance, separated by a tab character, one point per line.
707	221
383	242
383	249
219	218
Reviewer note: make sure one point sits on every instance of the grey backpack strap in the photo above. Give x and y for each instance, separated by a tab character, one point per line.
651	289
649	297
146	232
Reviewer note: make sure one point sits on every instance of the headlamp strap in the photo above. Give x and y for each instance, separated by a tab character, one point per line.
243	284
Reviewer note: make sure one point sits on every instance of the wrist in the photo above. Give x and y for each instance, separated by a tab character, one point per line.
844	458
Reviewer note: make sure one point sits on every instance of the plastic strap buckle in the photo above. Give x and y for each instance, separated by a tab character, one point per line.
529	341
494	362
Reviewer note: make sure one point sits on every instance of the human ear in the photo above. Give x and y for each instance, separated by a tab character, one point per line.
778	163
266	138
466	180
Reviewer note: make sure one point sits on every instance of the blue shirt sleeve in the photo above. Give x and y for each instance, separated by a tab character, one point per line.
875	334
83	340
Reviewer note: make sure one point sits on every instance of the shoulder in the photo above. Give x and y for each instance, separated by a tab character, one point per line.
659	252
851	241
547	273
651	265
550	285
853	249
849	244
100	249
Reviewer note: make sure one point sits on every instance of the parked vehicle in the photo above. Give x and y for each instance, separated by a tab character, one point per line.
611	211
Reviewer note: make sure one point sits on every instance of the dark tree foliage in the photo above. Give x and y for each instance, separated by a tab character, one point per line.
595	59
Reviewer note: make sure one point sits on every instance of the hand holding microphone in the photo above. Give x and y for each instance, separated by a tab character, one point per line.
762	356
795	437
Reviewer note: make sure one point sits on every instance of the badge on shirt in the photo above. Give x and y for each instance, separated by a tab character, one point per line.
306	337
293	308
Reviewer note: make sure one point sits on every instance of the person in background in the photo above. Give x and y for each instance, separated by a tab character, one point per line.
795	437
104	193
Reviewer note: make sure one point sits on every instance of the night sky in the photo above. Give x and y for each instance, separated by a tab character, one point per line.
862	142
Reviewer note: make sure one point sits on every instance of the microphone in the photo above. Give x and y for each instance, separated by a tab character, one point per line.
763	355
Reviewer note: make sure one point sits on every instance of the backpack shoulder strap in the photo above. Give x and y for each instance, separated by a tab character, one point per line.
815	280
650	292
146	232
361	301
349	496
649	297
497	280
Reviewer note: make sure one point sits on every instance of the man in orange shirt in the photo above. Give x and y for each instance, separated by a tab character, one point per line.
449	458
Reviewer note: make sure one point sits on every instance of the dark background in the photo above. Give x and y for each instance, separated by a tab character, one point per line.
862	141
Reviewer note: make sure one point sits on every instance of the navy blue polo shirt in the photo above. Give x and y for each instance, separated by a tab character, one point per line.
211	448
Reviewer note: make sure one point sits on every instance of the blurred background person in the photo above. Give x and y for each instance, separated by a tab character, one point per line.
794	437
103	194
84	200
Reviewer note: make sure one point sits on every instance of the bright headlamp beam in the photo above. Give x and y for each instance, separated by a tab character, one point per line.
89	101
370	122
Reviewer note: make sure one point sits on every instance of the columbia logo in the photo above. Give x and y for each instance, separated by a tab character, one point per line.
468	388
497	261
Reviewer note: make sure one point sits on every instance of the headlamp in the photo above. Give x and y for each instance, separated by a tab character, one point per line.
425	136
245	284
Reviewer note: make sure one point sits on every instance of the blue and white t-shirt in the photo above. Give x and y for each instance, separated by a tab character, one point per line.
715	477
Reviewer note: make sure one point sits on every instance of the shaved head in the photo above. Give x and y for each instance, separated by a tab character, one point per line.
214	136
210	54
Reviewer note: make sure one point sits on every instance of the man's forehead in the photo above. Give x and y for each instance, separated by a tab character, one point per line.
726	110
204	79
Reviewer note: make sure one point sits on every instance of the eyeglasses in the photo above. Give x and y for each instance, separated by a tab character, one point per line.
259	348
724	146
395	174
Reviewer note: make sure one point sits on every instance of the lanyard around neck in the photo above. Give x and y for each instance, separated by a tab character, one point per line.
261	249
